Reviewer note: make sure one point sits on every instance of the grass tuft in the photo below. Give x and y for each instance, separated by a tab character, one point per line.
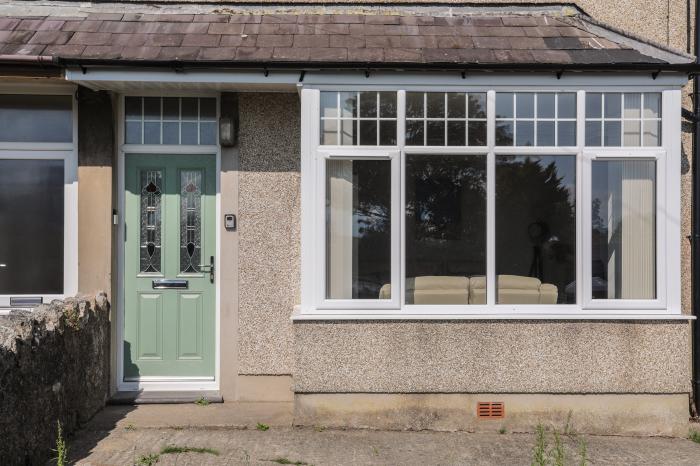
170	449
694	435
202	401
262	427
558	453
287	461
502	430
539	452
61	447
148	460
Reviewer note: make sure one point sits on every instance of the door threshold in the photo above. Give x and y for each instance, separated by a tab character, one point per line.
164	397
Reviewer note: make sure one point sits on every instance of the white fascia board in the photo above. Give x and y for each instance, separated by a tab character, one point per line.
108	78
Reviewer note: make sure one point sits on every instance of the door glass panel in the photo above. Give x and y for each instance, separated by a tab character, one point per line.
150	240
190	220
31	226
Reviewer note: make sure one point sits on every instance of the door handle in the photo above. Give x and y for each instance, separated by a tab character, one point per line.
209	268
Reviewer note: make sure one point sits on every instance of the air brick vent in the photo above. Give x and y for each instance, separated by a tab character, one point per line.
490	410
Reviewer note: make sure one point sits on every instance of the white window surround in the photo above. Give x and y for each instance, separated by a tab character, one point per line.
68	152
667	304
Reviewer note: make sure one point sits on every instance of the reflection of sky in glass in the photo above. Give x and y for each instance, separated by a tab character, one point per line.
565	166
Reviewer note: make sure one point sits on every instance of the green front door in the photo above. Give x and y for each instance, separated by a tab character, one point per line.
170	242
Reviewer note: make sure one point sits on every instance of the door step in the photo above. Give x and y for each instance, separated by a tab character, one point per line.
164	397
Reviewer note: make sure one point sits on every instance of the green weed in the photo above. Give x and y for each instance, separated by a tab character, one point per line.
287	461
61	447
502	430
694	435
539	452
202	402
262	427
148	460
170	449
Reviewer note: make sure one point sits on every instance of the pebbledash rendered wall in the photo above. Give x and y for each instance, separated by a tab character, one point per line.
409	374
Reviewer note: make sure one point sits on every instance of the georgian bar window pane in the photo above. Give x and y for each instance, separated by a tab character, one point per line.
445	229
536	229
624	229
445	119
358	118
170	120
617	119
535	119
358	229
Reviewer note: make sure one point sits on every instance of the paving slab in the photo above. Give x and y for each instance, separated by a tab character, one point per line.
125	435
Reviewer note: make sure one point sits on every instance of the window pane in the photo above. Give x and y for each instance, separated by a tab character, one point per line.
456	105
525	105
624	229
545	105
31	237
545	133
387	133
593	105
132	108
567	105
190	110
504	133
652	105
348	104
171	132
436	133
525	133
151	132
536	229
477	105
329	104
652	133
613	103
593	133
329	132
36	118
207	132
633	133
445	229
504	105
358	229
189	133
633	105
368	105
387	104
415	132
456	133
133	132
414	105
477	133
612	133
567	133
207	108
436	105
368	132
151	108
171	108
348	134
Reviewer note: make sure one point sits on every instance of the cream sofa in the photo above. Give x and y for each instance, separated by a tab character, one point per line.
512	289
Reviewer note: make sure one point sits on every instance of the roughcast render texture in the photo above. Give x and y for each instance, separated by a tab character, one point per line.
492	357
269	229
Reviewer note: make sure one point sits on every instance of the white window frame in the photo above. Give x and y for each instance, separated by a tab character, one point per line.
68	153
667	305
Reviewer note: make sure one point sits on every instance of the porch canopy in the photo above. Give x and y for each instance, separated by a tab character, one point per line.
543	38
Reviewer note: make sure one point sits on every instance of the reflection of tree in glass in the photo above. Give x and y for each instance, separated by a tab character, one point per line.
534	190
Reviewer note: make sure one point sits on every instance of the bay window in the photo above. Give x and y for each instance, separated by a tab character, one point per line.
488	202
38	253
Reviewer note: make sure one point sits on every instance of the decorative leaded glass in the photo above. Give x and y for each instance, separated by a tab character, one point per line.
190	220
151	182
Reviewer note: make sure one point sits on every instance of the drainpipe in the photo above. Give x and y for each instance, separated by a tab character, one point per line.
695	235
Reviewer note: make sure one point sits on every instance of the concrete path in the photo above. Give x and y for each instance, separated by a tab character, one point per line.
127	435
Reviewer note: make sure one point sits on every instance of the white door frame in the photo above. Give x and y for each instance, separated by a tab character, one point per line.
162	383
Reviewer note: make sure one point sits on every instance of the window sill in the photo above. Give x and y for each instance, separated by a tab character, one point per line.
299	316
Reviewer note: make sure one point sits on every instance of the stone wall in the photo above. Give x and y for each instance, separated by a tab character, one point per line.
54	365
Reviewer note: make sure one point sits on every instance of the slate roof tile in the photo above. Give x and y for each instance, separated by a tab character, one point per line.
316	38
